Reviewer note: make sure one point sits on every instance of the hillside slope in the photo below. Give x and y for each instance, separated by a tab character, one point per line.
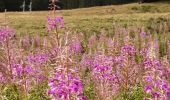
93	19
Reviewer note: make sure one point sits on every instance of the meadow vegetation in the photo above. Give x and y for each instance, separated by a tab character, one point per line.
119	52
93	19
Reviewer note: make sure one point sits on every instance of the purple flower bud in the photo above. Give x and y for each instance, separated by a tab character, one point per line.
148	88
155	94
128	49
168	93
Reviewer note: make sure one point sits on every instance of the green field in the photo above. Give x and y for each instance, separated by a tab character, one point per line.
94	19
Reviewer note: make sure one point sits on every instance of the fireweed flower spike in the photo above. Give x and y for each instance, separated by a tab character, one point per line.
104	77
55	23
65	83
156	83
38	59
6	33
75	47
64	86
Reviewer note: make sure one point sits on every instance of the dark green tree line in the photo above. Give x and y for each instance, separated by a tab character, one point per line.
16	5
10	4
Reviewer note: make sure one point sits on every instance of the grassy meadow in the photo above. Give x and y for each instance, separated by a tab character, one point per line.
93	19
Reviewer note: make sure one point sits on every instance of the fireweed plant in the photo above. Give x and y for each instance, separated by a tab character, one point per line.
64	83
19	69
132	64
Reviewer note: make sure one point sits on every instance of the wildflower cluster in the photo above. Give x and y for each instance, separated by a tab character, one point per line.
104	76
129	64
38	59
55	23
6	33
156	84
66	86
64	83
